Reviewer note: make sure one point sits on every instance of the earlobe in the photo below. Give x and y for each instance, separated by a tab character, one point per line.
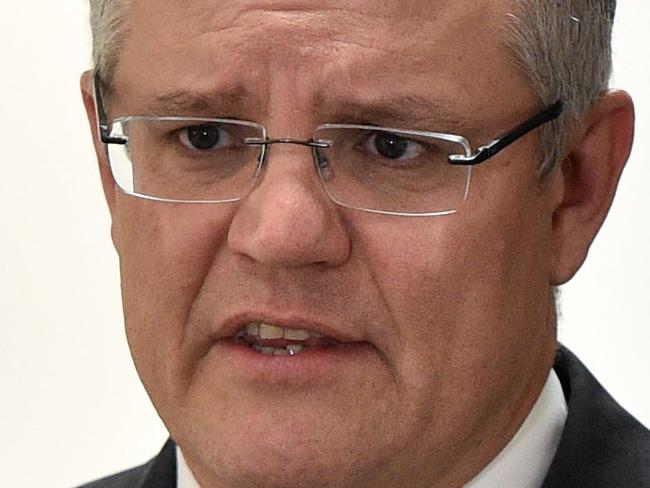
590	174
108	182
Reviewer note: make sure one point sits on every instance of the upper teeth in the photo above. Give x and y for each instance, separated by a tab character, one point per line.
268	331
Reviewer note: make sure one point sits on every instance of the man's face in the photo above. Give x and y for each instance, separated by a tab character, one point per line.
445	324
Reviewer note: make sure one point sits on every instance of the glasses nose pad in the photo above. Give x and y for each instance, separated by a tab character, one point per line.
261	163
323	164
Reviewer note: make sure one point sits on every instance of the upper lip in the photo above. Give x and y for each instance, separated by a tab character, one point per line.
233	324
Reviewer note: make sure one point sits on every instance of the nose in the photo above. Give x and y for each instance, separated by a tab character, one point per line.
287	219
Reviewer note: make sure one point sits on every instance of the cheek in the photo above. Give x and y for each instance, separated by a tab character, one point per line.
165	252
466	297
462	289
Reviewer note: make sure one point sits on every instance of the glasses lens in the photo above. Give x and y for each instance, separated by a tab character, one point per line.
185	159
391	170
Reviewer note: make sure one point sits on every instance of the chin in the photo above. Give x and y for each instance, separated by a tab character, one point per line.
289	461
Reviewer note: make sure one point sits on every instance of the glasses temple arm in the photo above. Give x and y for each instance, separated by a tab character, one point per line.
102	118
550	113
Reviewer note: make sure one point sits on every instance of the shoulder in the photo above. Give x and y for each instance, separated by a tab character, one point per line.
159	472
602	445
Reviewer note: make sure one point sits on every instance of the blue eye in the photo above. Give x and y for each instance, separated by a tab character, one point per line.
392	146
205	137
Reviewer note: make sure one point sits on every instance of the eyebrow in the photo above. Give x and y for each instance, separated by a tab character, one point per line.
185	102
407	111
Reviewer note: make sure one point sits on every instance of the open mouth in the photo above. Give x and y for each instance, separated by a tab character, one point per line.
272	340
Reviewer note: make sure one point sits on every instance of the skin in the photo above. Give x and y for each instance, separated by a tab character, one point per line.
458	310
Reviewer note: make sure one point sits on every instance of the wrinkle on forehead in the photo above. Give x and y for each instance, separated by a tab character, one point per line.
301	25
292	52
422	33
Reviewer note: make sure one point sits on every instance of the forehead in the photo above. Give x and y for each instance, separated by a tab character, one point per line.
263	20
328	48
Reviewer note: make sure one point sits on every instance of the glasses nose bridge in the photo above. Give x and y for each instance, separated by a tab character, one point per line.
266	144
312	143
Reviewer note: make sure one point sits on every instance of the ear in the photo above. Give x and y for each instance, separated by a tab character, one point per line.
108	183
590	173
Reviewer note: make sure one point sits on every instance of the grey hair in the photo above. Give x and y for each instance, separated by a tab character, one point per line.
563	48
107	21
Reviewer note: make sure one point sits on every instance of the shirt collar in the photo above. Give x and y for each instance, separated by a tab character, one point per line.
184	477
524	461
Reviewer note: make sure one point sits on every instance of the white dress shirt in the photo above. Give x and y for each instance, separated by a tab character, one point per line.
184	477
524	461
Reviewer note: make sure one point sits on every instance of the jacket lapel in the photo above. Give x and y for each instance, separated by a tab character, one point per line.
602	445
160	472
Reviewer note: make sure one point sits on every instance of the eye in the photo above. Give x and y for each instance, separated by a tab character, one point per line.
392	146
205	137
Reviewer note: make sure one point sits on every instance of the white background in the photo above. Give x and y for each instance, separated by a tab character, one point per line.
72	407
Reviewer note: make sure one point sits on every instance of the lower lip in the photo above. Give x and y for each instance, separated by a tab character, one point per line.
314	364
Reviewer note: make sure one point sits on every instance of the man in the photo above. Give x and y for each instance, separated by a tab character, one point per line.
335	272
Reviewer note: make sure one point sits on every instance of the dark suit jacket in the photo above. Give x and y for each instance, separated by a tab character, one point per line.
602	445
